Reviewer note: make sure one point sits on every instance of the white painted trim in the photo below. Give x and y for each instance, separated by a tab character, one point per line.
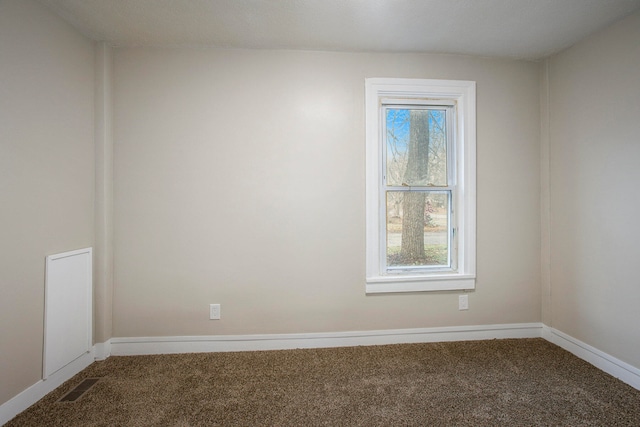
220	343
418	284
102	350
601	360
463	93
61	286
37	391
546	333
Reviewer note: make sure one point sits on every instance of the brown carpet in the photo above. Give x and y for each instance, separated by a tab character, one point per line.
518	382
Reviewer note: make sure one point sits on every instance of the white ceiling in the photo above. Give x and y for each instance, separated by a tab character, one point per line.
526	29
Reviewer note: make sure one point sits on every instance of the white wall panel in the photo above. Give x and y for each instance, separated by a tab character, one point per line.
68	309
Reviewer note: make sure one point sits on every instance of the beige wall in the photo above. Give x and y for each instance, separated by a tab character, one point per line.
595	202
46	172
239	179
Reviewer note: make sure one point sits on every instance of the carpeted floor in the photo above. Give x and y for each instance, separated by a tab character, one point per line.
517	382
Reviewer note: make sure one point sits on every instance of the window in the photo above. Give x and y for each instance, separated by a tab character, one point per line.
420	185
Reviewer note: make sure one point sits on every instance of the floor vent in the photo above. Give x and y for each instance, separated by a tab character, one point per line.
80	389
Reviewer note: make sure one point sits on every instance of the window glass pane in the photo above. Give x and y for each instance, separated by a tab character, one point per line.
416	146
417	229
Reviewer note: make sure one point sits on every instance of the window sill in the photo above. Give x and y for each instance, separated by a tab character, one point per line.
395	284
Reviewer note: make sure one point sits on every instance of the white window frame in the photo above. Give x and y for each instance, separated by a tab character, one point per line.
462	94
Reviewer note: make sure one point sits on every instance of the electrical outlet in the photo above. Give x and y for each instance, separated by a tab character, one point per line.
463	302
214	311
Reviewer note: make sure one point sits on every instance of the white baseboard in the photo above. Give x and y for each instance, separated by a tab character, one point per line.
601	360
102	350
218	343
546	333
37	391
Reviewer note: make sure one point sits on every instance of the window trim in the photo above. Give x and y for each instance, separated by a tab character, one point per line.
462	93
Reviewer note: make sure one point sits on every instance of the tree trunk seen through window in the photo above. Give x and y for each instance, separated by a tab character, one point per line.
413	205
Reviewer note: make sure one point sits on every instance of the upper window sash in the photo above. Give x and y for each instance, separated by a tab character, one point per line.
450	132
